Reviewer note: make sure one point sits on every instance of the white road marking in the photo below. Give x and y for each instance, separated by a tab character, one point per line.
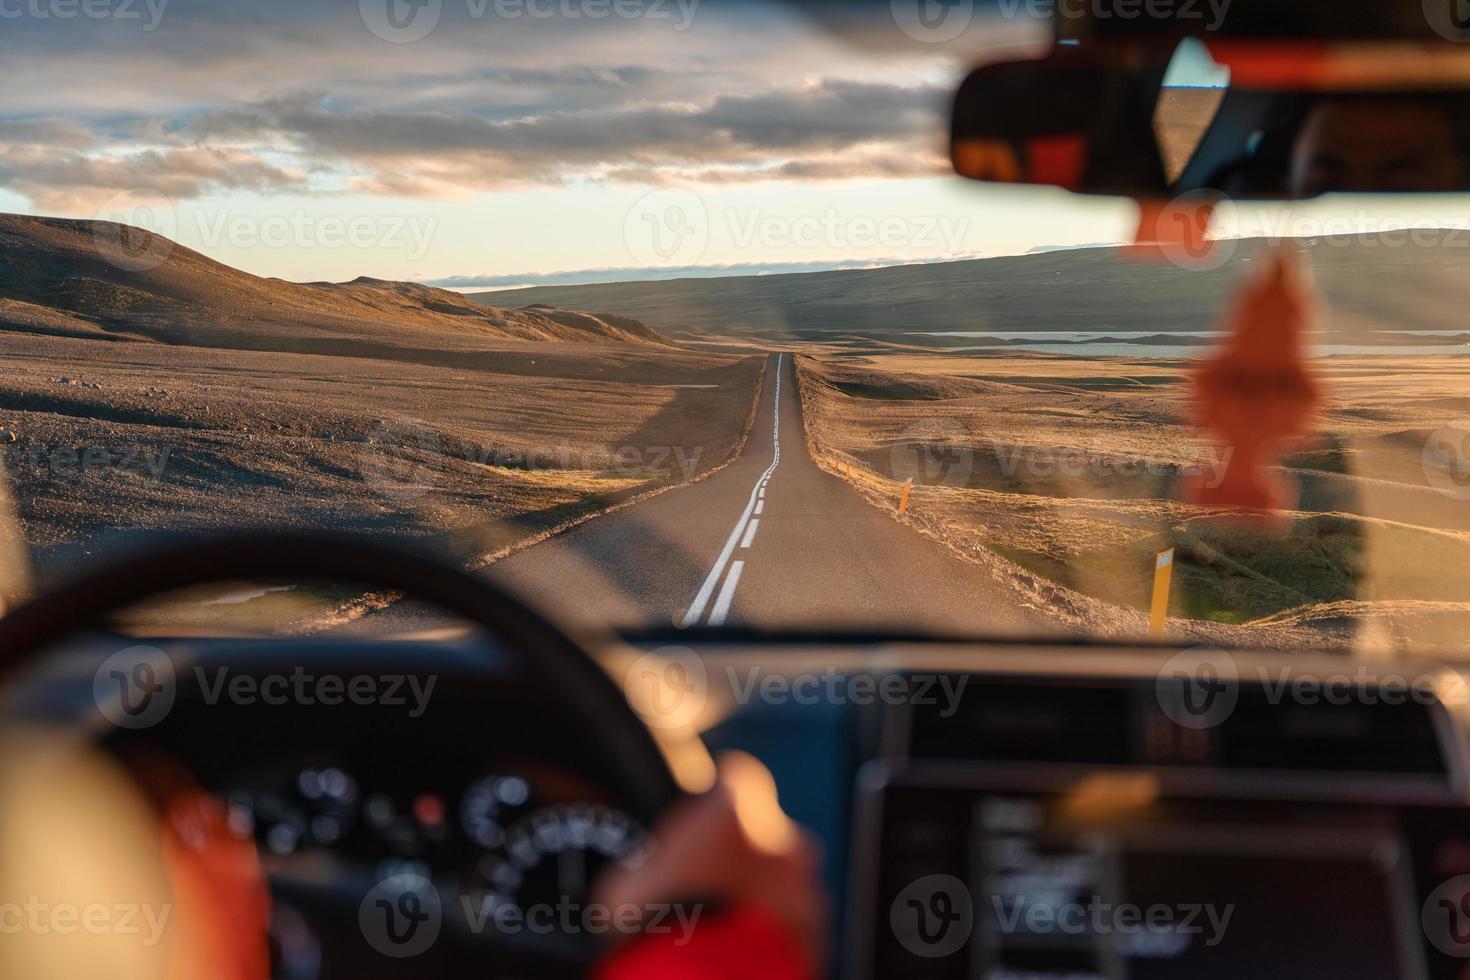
727	594
763	490
760	505
750	532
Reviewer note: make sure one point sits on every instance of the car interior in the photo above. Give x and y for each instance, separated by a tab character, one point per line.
447	795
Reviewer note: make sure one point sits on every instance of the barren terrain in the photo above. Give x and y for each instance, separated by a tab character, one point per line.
150	391
189	396
1068	471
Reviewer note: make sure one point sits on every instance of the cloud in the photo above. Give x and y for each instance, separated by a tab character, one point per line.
828	130
299	97
56	165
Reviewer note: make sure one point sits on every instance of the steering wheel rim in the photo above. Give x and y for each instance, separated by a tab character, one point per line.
87	600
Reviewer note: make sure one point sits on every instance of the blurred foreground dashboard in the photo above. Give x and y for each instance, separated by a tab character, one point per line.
1007	812
1019	813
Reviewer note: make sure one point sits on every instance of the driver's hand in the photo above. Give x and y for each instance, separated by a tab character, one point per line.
734	848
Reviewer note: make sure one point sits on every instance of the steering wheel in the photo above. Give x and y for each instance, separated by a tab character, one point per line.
628	756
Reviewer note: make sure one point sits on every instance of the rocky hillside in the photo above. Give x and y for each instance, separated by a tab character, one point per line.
90	279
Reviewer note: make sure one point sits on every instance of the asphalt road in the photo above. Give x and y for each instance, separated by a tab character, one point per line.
771	541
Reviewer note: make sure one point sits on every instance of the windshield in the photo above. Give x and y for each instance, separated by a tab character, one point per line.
672	314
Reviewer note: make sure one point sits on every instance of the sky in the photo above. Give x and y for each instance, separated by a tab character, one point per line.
495	143
515	142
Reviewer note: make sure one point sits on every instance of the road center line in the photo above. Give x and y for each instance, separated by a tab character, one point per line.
727	594
750	532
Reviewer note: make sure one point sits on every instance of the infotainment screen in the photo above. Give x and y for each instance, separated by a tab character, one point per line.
1115	880
1137	898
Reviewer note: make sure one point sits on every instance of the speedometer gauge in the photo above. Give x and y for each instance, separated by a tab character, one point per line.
489	804
556	851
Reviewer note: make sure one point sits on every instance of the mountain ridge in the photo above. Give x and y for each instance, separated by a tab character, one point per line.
1415	282
91	278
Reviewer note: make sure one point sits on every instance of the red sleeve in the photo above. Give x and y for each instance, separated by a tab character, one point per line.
745	941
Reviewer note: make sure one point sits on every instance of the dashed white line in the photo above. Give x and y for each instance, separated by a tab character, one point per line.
718	614
760	505
727	594
750	532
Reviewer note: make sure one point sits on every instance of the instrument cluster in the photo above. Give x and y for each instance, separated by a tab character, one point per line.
521	834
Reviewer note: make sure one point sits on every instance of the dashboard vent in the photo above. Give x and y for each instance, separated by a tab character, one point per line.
1041	721
1121	722
1266	733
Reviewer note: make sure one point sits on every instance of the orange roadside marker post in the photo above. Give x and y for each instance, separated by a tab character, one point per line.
903	502
1163	575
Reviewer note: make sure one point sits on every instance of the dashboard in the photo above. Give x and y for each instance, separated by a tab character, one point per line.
504	846
1090	813
525	834
483	798
1010	812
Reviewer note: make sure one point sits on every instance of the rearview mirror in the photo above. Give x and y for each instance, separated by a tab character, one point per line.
1274	122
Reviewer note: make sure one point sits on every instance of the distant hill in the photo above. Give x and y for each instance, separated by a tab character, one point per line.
91	279
1373	282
